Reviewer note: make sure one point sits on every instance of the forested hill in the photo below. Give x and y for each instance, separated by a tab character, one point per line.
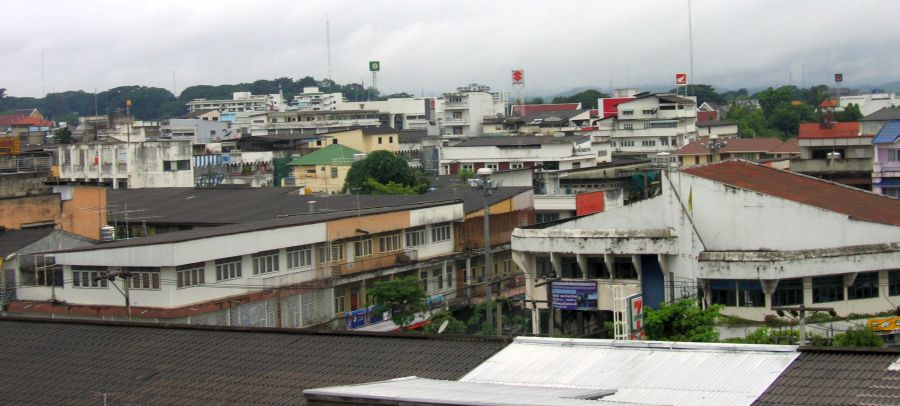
151	103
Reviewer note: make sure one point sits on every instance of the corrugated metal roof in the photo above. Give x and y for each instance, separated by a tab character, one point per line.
889	134
649	372
430	391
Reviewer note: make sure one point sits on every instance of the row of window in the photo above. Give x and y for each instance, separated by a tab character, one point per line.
748	293
492	166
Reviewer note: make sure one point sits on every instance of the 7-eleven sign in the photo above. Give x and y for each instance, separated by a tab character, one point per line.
636	315
681	79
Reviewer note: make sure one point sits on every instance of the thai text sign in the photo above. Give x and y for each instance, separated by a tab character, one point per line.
574	295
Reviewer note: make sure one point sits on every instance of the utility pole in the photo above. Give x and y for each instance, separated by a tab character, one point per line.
126	282
487	185
800	313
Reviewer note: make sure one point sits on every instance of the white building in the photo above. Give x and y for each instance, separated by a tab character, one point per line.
198	130
240	101
466	109
742	235
120	165
650	124
870	103
504	153
312	122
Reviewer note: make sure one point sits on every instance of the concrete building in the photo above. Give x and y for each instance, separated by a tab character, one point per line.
362	139
649	123
717	128
886	166
312	99
870	103
739	234
283	259
79	210
324	170
313	122
837	152
465	110
871	124
28	126
240	102
504	153
198	130
120	165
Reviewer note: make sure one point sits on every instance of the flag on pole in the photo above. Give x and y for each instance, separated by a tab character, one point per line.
691	200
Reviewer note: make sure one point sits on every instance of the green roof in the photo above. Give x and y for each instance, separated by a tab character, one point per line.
334	154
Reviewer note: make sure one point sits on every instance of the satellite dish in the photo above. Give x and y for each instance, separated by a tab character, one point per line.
443	326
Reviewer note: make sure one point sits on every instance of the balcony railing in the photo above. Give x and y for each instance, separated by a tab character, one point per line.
24	164
831	165
373	262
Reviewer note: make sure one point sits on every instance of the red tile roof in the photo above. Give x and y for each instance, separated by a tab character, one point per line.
19	120
791	146
855	203
828	103
732	145
521	110
835	130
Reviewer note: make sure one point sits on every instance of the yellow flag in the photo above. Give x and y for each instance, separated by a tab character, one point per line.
691	200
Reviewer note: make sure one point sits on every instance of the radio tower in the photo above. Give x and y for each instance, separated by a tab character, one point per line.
328	44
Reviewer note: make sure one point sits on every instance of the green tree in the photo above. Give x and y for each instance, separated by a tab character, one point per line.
454	325
858	337
683	320
587	98
770	98
62	136
850	113
403	297
466	174
384	167
704	93
786	118
535	100
477	321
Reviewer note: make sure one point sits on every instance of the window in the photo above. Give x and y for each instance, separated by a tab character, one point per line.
228	268
265	262
828	289
457	131
651	111
544	267
864	286
415	237
750	293
788	292
723	292
664	141
51	275
450	278
893	283
646	125
628	126
299	256
334	172
389	243
424	277
648	143
893	155
180	165
191	274
545	217
627	112
602	153
334	141
440	233
362	248
390	140
467	167
339	304
379	140
212	132
454	100
629	143
331	253
492	167
86	277
438	275
457	114
144	278
664	124
891	191
516	165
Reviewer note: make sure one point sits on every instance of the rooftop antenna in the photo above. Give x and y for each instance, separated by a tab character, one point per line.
328	44
174	91
691	46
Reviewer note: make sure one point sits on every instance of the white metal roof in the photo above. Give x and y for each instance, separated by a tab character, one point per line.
430	391
651	372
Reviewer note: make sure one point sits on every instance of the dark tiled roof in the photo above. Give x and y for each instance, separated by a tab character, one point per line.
791	146
516	141
715	123
14	240
74	363
885	114
383	130
855	203
822	376
197	113
521	110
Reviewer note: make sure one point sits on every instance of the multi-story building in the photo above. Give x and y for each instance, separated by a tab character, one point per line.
280	258
514	152
28	126
706	150
323	170
739	234
312	99
312	122
649	124
239	102
116	127
871	124
120	165
886	166
836	152
870	103
465	110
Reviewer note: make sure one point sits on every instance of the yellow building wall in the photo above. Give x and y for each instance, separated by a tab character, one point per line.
373	224
321	181
496	208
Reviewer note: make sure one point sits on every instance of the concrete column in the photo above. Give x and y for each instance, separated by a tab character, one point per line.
848	281
556	261
807	291
468	270
638	267
608	262
535	320
582	265
768	288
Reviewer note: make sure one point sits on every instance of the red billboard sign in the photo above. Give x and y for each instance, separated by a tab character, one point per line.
518	76
838	77
681	78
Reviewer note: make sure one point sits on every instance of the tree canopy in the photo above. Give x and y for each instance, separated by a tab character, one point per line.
683	320
403	297
62	136
858	337
383	172
587	98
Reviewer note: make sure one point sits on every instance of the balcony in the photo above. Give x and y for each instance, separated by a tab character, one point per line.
24	164
373	262
831	165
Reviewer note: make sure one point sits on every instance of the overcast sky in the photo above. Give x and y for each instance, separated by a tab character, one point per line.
434	46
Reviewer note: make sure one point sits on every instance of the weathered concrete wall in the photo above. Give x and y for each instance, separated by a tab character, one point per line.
14	212
22	184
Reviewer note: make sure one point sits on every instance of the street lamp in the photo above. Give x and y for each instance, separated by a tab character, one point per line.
713	145
484	182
